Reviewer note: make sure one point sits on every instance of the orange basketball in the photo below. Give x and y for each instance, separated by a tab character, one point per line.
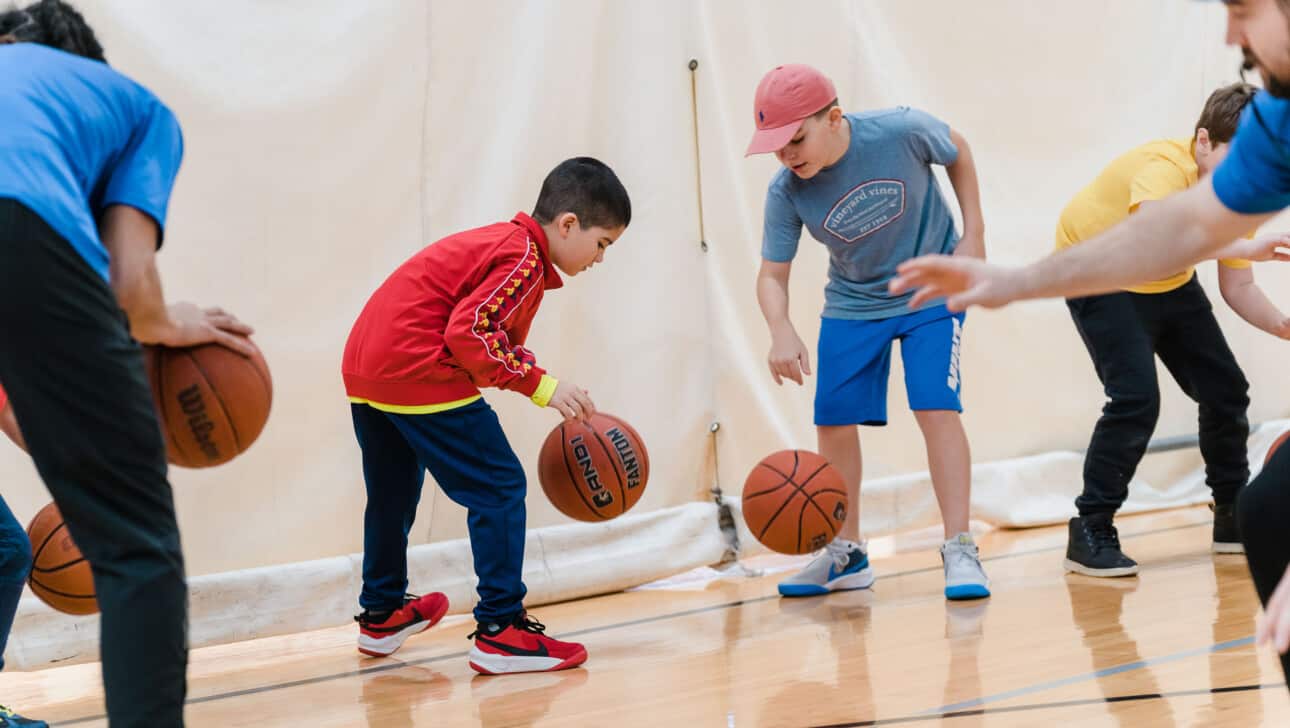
212	401
1276	444
593	471
60	576
794	502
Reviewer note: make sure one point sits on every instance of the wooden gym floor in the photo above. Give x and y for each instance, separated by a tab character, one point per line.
1169	648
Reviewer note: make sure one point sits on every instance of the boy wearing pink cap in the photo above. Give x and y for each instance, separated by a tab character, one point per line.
862	184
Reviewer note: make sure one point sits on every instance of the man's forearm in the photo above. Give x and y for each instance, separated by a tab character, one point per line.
130	237
1154	243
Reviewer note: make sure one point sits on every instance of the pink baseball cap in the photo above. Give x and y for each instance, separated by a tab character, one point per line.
785	98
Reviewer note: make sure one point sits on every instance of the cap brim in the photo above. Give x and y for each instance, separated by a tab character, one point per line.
765	141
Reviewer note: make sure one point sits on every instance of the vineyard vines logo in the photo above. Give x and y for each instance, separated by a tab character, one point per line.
582	455
626	454
866	209
194	405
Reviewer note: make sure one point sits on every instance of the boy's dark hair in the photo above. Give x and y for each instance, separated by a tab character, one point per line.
1222	112
825	111
52	23
588	188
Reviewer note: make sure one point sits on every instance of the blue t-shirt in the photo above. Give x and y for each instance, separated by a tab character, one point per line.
1255	176
77	137
878	206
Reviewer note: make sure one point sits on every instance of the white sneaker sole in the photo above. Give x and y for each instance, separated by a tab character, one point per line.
1228	548
386	646
490	663
862	579
1079	568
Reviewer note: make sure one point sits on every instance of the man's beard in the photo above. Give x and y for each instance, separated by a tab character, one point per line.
1276	86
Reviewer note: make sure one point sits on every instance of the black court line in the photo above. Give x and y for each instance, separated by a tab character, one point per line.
616	625
1051	706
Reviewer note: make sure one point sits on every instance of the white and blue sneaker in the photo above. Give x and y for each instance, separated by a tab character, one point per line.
841	565
964	577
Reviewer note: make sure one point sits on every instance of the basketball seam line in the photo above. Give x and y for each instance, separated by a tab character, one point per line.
52	569
810	498
63	594
264	376
800	489
159	369
573	479
782	483
622	487
48	537
783	505
219	399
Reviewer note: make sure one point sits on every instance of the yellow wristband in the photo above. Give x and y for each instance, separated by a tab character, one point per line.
542	397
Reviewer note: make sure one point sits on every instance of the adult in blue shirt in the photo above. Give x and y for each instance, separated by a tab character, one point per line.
1250	186
88	158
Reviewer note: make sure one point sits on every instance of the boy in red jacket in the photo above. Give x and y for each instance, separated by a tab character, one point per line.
449	321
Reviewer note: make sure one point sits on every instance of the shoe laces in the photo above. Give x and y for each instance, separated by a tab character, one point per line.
963	553
523	622
529	624
1103	535
840	553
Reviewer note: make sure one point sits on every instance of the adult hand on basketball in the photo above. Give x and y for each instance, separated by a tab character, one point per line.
572	401
191	325
963	281
1274	626
1259	249
789	357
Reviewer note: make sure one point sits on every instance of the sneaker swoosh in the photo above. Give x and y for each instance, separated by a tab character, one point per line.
541	650
855	557
417	618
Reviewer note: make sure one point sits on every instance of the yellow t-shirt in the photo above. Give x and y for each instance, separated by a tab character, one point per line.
1150	172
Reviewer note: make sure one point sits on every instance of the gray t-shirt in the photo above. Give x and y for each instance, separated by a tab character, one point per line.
876	207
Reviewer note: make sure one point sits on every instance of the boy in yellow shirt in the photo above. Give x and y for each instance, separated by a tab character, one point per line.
1170	318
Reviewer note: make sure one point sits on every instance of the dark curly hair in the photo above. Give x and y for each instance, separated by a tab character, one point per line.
53	23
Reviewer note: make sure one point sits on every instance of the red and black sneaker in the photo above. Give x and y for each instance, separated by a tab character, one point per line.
381	634
521	646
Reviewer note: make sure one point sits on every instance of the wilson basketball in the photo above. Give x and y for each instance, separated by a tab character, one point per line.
794	502
212	401
593	471
60	576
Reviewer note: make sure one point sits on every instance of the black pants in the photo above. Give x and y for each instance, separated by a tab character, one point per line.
1124	332
77	383
1264	511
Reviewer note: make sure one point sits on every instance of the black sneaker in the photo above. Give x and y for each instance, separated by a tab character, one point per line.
1227	535
1093	548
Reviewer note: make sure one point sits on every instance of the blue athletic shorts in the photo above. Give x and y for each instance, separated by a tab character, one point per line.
854	363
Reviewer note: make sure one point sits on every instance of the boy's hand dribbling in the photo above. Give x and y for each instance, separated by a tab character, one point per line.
789	358
572	401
